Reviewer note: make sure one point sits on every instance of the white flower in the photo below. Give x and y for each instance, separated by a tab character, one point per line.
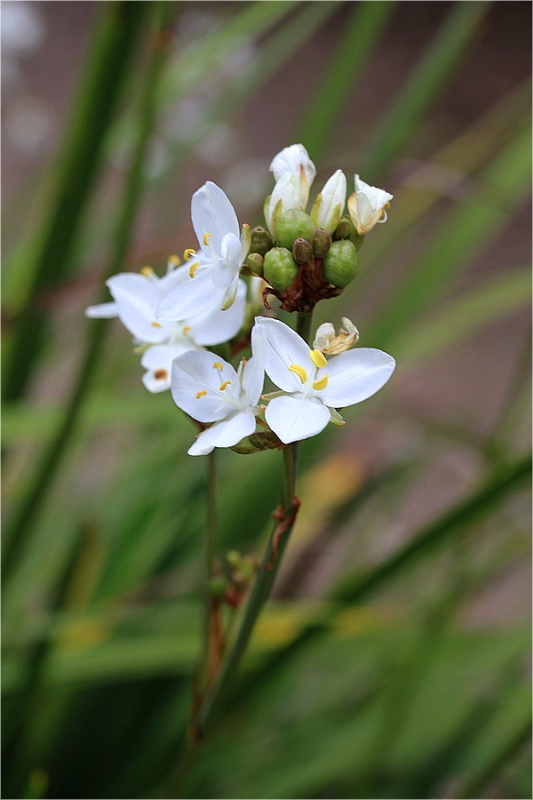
210	390
329	204
312	386
295	159
367	206
136	298
213	270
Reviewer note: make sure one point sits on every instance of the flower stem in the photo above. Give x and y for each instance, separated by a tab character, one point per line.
214	699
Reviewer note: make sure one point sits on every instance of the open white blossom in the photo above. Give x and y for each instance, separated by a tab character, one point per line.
136	297
214	268
367	206
313	387
211	391
329	204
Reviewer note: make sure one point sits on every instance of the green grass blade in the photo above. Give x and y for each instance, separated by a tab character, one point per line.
364	27
429	76
52	248
503	481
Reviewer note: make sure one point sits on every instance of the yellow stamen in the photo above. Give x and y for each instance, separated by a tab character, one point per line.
206	238
217	365
201	394
189	253
298	370
223	385
147	272
175	261
156	325
186	330
193	268
318	358
322	383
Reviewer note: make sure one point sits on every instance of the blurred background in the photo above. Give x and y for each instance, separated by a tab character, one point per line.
393	659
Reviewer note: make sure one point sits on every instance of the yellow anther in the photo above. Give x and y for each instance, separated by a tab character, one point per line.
160	374
156	325
298	370
217	365
147	272
174	260
186	329
223	385
201	394
206	238
193	268
322	383
188	253
318	358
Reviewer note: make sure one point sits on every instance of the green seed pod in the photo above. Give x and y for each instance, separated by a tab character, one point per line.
294	224
254	262
261	241
321	242
302	251
341	264
279	268
342	231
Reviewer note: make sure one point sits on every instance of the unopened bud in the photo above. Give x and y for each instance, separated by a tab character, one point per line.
261	241
294	224
279	268
321	242
302	251
254	262
343	229
217	586
341	264
234	559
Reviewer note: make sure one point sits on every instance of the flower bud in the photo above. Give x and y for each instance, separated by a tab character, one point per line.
302	251
217	586
341	264
261	241
294	224
321	242
279	268
343	229
254	262
329	203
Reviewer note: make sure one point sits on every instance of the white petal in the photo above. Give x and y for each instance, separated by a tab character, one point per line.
333	197
252	376
290	159
229	294
194	372
377	197
224	434
296	418
102	311
157	361
282	348
228	268
215	326
212	213
196	296
356	375
137	298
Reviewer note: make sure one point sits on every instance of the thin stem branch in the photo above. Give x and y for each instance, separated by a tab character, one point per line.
266	576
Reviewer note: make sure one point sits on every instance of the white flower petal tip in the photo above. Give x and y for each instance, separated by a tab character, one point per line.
102	311
329	204
294	160
314	386
367	206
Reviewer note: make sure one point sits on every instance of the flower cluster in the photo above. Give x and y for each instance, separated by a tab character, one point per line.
300	258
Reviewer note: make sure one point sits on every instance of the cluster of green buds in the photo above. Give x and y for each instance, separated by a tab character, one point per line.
308	257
